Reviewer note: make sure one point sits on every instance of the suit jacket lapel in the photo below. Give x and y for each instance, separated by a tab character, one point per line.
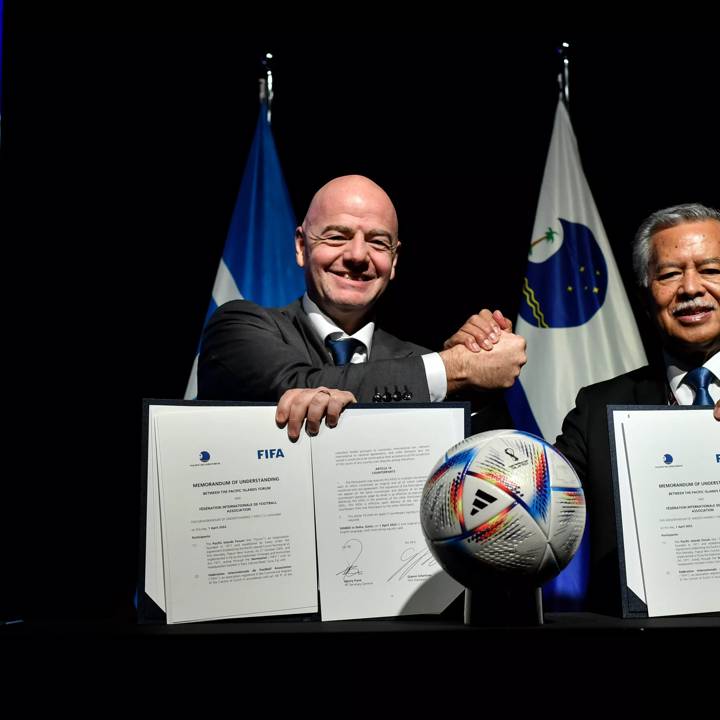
308	340
384	345
652	389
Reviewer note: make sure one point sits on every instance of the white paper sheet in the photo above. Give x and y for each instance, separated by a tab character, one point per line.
368	477
237	516
672	501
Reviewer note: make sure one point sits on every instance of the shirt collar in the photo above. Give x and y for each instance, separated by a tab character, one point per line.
325	327
677	369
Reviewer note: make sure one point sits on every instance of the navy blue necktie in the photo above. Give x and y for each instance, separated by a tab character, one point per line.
343	350
699	380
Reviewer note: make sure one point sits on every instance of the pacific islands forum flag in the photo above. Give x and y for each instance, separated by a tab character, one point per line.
574	313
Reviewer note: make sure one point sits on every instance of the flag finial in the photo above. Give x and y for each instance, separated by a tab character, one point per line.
266	83
563	52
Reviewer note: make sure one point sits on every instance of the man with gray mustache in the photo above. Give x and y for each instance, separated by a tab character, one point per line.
676	258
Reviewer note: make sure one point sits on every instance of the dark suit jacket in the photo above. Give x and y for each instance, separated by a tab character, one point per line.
253	353
585	442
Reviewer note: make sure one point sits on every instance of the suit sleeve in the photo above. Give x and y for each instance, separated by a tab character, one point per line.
247	354
573	439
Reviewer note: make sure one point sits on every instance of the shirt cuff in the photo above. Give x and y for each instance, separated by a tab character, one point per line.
436	376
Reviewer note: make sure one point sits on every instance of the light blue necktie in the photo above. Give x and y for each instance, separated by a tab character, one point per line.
343	350
699	380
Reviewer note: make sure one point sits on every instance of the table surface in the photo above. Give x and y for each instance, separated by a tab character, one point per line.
555	624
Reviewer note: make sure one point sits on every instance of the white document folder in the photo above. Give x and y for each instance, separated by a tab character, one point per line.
237	516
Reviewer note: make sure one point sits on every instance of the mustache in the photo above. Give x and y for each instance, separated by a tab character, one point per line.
693	306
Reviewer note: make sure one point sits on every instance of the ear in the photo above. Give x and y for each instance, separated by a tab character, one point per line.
394	261
299	246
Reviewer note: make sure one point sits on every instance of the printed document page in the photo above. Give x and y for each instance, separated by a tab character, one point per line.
237	515
368	478
673	462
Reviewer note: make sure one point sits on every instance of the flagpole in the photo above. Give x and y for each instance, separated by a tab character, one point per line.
266	84
254	263
564	74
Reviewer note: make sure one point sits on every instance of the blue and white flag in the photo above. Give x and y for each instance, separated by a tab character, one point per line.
258	259
574	314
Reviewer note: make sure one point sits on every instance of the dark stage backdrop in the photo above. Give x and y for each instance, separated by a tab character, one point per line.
122	156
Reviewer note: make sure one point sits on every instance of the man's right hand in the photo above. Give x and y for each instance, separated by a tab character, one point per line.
311	405
716	411
491	370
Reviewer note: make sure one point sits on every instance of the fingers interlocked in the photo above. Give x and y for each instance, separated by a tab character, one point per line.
480	330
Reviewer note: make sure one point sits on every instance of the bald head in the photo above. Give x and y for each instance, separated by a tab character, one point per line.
356	195
347	246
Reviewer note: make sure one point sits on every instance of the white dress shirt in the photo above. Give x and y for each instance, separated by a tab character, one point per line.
325	327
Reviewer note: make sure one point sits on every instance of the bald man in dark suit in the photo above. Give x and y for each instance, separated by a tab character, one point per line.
348	247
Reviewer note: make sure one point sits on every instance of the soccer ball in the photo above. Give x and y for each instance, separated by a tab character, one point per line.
503	505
